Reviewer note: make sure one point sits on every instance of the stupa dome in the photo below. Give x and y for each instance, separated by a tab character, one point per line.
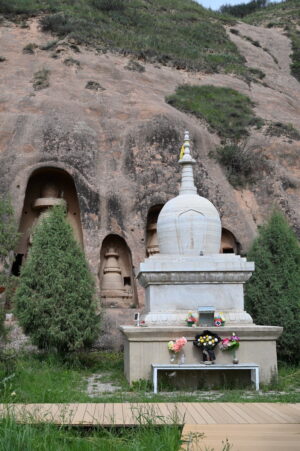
188	224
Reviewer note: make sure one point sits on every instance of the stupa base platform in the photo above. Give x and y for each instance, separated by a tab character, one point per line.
146	345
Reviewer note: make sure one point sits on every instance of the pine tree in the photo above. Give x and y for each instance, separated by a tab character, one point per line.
273	292
55	297
8	239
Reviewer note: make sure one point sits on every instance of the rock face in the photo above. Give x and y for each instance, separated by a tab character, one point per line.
119	145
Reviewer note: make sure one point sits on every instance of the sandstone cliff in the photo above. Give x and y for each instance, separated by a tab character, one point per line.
120	141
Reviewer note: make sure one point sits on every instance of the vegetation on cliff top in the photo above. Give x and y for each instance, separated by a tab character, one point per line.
227	111
284	15
180	33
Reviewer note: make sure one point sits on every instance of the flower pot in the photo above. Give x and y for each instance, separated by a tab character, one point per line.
190	323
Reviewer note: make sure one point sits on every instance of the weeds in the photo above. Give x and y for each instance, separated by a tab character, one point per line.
45	378
135	66
41	79
50	45
281	129
72	62
228	112
94	85
45	437
241	165
30	48
178	33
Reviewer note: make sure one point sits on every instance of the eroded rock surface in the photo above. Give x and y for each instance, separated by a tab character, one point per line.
121	143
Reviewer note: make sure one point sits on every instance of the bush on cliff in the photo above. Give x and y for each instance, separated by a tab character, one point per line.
273	292
55	298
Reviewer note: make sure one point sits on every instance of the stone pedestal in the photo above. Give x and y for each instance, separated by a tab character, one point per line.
147	345
177	284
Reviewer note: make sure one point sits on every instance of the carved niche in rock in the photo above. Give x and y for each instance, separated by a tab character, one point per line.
46	187
116	276
152	246
229	244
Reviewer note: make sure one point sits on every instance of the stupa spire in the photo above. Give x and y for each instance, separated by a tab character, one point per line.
187	176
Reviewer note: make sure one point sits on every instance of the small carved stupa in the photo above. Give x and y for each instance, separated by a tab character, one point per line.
113	287
42	205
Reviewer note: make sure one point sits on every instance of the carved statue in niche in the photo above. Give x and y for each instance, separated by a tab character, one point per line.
49	197
152	241
116	289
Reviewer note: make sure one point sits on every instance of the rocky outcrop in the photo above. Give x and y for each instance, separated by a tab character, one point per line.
121	143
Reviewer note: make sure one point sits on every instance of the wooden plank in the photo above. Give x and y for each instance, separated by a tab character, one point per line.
160	413
233	413
204	413
242	437
261	416
240	410
282	411
220	415
189	414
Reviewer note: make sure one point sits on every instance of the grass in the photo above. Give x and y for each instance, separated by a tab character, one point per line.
180	33
227	111
47	379
281	129
29	48
48	437
242	166
41	79
285	15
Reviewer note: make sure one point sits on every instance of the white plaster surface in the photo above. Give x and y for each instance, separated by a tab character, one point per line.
144	346
175	285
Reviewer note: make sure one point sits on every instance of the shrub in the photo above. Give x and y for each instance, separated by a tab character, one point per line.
94	85
8	240
29	48
227	111
60	24
55	297
281	129
242	166
109	5
41	79
273	292
135	66
243	9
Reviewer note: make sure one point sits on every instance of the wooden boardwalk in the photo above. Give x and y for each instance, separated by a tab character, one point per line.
247	426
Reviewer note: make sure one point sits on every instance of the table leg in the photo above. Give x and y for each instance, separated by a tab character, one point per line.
255	378
154	380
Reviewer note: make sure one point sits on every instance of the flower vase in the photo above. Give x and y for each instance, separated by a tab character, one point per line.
173	357
182	358
235	360
190	323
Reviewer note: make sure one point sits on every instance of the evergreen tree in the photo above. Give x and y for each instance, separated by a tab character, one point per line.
273	292
55	297
8	240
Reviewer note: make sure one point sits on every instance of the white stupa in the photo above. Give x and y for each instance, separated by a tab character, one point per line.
189	224
190	273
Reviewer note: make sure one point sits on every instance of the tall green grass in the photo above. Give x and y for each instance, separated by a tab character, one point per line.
227	111
49	437
48	379
179	33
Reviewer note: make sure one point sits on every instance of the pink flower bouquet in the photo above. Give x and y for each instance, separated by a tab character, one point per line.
177	345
